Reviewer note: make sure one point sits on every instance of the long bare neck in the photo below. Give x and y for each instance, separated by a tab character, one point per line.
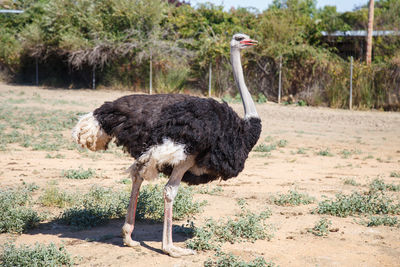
248	104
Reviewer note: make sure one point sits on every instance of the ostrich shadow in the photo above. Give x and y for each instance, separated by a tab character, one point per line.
110	233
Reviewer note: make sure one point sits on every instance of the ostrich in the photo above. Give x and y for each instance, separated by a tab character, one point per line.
191	139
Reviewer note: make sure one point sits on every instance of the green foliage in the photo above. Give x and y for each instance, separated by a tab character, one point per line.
282	143
246	226
53	197
229	260
321	228
382	220
293	198
325	153
15	214
379	185
78	174
38	255
351	181
395	174
95	208
119	37
357	203
150	204
264	148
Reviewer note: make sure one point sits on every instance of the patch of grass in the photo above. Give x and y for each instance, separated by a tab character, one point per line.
57	156
321	228
246	226
358	203
206	190
261	98
293	198
78	174
264	148
382	220
325	153
95	208
151	203
15	214
351	181
379	185
348	153
125	181
39	255
395	174
282	143
301	103
53	197
301	151
223	259
45	127
100	205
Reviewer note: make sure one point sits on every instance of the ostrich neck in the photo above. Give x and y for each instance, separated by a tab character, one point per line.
248	104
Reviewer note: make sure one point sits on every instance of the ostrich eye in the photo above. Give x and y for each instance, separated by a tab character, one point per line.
239	38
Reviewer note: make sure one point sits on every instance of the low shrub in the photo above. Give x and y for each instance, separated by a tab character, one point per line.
15	214
293	198
39	255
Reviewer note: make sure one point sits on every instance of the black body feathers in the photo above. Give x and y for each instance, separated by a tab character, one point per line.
211	130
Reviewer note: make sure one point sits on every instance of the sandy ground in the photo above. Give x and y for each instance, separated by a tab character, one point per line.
375	136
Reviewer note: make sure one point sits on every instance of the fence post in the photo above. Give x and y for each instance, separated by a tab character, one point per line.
151	72
94	77
280	80
37	71
209	81
351	83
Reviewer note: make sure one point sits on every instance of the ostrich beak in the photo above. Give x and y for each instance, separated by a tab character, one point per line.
249	42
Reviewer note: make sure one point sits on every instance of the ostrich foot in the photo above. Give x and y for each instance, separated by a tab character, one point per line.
130	243
177	252
126	235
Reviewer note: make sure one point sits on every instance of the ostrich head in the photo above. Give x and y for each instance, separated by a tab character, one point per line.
242	41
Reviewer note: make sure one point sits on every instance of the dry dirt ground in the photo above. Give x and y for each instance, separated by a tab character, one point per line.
371	138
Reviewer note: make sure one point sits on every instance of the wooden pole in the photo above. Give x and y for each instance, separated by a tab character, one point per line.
151	72
209	81
370	31
37	71
280	80
351	84
94	77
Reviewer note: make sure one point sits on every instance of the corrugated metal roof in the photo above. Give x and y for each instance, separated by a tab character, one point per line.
359	33
11	11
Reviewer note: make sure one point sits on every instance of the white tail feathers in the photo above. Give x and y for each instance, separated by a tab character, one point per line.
88	133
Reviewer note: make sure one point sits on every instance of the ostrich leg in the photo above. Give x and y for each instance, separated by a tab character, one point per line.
170	191
129	225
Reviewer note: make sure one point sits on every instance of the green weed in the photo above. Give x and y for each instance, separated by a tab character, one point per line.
351	181
379	185
78	174
382	220
325	153
15	214
282	143
151	203
246	226
95	208
39	255
395	174
264	148
357	203
293	198
53	197
206	190
229	260
321	228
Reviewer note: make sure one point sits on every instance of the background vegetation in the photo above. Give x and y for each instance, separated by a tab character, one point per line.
118	38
